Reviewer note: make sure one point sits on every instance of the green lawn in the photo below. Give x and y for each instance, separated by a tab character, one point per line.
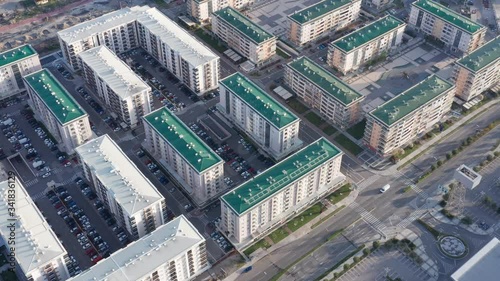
358	130
260	244
278	235
282	54
339	194
305	217
329	130
314	118
346	143
297	106
210	40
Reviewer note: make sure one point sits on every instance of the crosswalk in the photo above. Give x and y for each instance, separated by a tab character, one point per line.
30	182
367	182
38	196
419	191
69	180
411	218
370	219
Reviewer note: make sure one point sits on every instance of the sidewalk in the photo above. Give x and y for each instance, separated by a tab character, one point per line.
260	253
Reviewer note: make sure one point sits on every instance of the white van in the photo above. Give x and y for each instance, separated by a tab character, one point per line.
385	188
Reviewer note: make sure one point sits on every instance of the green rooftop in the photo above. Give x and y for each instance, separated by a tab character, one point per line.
325	80
317	10
281	175
368	33
483	56
55	96
244	25
259	100
16	54
448	15
410	100
182	139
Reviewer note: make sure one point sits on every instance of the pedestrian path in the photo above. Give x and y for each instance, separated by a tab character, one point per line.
68	181
369	218
38	196
30	182
367	182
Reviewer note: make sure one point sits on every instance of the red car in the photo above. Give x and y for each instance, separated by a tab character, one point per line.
90	252
96	259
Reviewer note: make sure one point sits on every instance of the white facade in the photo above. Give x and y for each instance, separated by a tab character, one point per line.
141	26
14	64
467	177
123	92
201	10
25	232
129	195
175	251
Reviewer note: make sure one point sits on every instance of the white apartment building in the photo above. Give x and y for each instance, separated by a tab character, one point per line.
359	47
63	116
317	20
399	121
252	209
141	26
123	91
175	251
336	101
268	123
454	30
14	64
127	193
201	10
193	164
27	235
478	71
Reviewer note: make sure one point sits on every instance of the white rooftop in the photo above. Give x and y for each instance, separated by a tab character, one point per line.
36	243
131	189
178	39
482	266
146	254
114	72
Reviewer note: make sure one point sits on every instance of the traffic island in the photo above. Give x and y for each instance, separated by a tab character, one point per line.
453	247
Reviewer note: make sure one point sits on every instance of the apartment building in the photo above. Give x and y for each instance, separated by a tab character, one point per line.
268	123
195	165
407	116
243	35
250	210
133	200
27	236
119	88
175	251
336	101
375	4
317	20
359	47
62	115
14	64
201	10
454	30
478	71
141	26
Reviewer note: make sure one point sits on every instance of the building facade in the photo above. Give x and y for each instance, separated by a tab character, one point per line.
14	64
243	35
359	47
336	101
175	251
34	245
195	165
317	20
201	10
252	209
141	26
65	119
454	30
133	200
478	71
375	4
119	88
399	121
268	123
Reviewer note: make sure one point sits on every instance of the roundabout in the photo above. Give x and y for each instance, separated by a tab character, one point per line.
453	247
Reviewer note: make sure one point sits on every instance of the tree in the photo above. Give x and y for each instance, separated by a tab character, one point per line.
439	163
448	156
454	152
356	259
451	185
433	167
489	157
366	252
376	244
347	266
466	220
496	153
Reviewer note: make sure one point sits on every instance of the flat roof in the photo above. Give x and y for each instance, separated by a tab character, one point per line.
271	181
448	15
485	55
169	32
16	54
62	105
247	27
411	99
182	139
114	72
325	80
168	242
36	243
256	98
318	10
482	266
366	34
119	175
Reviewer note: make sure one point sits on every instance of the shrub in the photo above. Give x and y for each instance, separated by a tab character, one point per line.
336	275
442	203
451	185
347	266
366	252
484	163
476	169
433	167
448	156
454	152
469	139
496	153
376	244
356	259
439	163
489	157
446	196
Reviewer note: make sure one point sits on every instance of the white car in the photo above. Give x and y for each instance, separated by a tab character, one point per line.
46	175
